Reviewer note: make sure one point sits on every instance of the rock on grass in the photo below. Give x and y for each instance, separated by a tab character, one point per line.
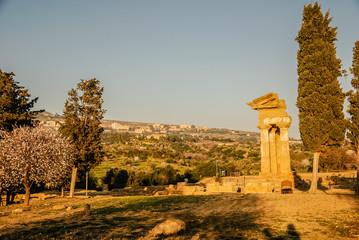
168	227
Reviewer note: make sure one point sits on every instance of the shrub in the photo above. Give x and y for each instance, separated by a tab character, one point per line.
116	178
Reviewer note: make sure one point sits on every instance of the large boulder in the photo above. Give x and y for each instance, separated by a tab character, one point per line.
168	227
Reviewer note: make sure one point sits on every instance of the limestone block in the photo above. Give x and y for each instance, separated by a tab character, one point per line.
58	207
18	210
168	227
188	189
222	188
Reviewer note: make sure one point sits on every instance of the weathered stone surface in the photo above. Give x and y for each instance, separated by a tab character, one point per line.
189	190
273	123
221	188
168	227
161	193
58	207
18	210
275	160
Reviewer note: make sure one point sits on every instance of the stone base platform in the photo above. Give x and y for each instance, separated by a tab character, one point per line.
250	184
267	184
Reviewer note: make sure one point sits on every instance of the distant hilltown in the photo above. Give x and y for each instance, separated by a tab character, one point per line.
154	130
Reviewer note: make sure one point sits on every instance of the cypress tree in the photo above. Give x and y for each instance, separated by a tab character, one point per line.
320	97
83	113
353	110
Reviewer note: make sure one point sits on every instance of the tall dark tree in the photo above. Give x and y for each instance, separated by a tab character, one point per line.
320	97
15	103
83	113
353	110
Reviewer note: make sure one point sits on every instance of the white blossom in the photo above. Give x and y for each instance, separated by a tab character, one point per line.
33	155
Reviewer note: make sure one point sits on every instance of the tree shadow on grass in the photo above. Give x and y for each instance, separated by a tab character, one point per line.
300	184
227	216
232	218
97	226
73	228
291	234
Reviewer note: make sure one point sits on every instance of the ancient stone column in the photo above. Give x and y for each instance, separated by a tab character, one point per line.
273	123
284	154
273	150
279	145
265	149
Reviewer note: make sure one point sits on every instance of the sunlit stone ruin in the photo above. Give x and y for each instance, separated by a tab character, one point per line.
276	175
273	123
275	160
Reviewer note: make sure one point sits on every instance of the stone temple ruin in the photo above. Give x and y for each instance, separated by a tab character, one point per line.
273	123
275	160
276	174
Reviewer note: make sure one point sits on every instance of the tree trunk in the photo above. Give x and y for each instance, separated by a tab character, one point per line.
73	182
0	197
87	182
357	182
7	200
314	185
27	194
62	192
13	194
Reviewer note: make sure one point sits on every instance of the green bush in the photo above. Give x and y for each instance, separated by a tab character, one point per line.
116	178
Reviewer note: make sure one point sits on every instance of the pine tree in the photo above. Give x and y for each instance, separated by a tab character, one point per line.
320	97
83	113
353	110
15	103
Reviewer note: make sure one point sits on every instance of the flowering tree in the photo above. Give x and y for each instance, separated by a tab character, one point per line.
31	156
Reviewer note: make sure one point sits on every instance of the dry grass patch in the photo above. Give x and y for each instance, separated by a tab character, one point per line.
225	216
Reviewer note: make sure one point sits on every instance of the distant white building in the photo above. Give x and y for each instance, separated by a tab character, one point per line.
117	126
51	124
157	126
174	129
139	130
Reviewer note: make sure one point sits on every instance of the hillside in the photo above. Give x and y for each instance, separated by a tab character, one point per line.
157	130
155	153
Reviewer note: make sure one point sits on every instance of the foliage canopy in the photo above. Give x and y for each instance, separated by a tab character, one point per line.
353	110
32	156
320	97
82	123
15	103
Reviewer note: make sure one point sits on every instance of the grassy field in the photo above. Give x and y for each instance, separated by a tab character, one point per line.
327	215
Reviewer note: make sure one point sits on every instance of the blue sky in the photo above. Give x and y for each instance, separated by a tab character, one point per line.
181	62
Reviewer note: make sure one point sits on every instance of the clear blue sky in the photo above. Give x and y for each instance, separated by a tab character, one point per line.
181	62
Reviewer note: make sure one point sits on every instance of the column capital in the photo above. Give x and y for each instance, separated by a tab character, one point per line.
264	126
283	125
